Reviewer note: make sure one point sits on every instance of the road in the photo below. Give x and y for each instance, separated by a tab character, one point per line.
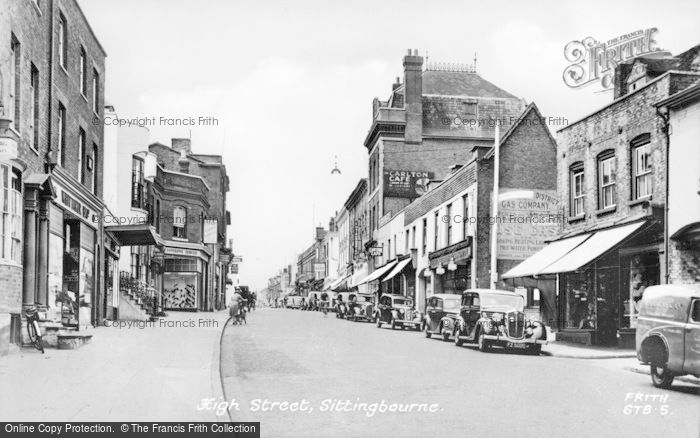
305	358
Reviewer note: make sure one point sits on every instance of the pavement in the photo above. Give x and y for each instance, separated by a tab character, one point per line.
155	373
305	375
566	350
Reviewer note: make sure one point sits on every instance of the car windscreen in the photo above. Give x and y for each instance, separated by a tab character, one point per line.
502	300
451	304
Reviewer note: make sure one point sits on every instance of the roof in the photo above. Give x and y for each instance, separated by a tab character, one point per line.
443	296
682	97
531	107
460	83
492	291
677	290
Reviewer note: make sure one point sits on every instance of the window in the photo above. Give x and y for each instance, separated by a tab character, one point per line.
607	196
413	241
405	244
61	143
157	216
388	248
15	78
83	72
96	92
34	107
641	167
137	185
180	222
10	214
577	190
465	215
396	253
449	224
81	156
437	231
94	168
62	41
425	236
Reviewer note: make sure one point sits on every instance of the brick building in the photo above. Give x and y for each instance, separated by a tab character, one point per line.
52	70
431	121
612	176
441	242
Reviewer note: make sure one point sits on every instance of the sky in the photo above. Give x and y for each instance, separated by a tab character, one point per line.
291	85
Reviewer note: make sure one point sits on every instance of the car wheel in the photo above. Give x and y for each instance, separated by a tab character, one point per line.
426	330
378	321
458	342
445	335
483	343
661	377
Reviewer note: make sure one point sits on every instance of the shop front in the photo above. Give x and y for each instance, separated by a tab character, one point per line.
74	252
185	281
451	268
600	277
401	279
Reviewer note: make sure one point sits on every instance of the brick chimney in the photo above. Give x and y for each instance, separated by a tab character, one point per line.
413	80
182	144
184	162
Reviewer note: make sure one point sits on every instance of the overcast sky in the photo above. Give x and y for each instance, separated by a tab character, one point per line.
291	84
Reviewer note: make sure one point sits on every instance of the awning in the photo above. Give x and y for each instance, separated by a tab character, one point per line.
334	285
592	248
377	273
399	267
536	263
136	234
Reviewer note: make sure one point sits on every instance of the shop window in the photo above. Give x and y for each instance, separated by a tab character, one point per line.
641	167
579	300
180	222
577	188
10	214
137	183
607	196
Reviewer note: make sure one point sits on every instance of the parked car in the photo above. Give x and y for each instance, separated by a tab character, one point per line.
496	318
398	311
668	332
440	315
341	303
362	309
295	302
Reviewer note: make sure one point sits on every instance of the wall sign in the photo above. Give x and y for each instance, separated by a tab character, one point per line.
406	183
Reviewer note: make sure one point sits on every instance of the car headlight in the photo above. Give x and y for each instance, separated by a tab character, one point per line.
488	326
528	332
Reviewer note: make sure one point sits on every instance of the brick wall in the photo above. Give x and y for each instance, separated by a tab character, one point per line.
10	288
684	262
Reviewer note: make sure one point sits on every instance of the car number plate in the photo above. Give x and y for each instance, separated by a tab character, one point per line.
516	345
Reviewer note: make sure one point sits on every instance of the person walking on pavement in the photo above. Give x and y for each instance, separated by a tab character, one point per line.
235	306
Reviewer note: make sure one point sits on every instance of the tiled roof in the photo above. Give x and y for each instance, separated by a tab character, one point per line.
460	83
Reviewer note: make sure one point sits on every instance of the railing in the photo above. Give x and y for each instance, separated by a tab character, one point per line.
139	290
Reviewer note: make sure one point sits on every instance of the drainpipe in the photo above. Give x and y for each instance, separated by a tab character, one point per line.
664	114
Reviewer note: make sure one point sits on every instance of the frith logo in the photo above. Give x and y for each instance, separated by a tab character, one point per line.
596	61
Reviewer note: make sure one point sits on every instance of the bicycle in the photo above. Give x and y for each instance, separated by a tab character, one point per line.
33	329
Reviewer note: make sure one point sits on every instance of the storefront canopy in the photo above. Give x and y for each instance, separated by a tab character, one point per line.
536	263
337	283
397	269
136	234
594	247
377	273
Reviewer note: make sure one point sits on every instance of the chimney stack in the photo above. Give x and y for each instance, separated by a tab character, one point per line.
182	144
413	89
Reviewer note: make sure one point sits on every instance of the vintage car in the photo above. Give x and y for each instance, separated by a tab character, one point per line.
295	302
440	314
668	332
398	311
495	318
341	303
361	309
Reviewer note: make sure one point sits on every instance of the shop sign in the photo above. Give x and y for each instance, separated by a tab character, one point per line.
72	204
376	251
8	148
526	220
233	268
236	259
182	251
406	183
